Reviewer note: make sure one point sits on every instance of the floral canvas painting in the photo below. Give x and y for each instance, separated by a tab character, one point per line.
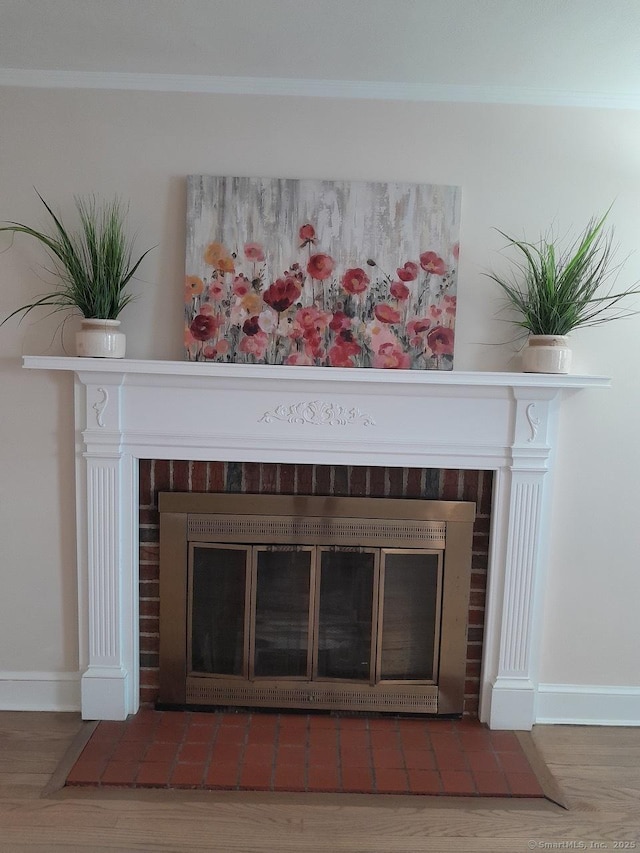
325	273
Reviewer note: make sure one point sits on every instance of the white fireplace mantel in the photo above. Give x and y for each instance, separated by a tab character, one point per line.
128	410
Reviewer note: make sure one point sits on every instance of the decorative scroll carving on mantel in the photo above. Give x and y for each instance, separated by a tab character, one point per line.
318	414
534	422
100	406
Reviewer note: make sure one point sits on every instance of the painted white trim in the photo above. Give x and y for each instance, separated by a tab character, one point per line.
588	705
285	86
39	691
134	409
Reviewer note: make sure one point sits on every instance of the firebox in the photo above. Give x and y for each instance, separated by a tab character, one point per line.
355	604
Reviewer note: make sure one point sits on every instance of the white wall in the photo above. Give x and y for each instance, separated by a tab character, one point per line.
520	169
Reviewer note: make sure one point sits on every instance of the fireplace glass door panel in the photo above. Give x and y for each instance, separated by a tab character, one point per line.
281	637
218	609
345	625
409	617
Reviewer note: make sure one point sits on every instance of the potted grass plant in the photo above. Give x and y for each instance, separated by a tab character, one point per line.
554	291
93	267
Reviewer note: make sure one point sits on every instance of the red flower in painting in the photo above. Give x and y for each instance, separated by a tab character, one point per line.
440	341
399	290
418	326
386	313
251	326
253	252
282	293
313	346
320	266
339	321
341	353
408	272
391	356
433	263
203	327
307	235
355	281
339	357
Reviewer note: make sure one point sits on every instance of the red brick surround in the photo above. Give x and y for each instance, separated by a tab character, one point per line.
271	478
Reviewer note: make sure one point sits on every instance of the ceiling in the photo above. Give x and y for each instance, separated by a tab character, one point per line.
546	51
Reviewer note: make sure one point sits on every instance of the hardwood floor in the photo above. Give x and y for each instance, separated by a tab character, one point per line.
597	769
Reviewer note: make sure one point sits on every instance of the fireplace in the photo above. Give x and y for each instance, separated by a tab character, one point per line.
314	602
128	409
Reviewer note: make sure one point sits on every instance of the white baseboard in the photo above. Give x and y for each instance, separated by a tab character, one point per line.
587	705
39	691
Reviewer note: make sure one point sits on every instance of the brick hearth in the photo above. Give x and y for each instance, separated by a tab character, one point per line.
310	753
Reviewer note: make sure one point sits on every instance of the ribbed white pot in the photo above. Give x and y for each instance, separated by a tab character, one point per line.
546	354
100	339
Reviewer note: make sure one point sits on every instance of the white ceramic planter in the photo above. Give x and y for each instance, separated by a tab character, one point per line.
100	339
546	354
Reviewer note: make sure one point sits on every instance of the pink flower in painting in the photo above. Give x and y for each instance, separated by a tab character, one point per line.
399	290
455	251
450	305
203	327
268	320
355	281
433	263
416	329
440	341
408	272
282	293
312	320
222	347
435	311
379	333
254	344
253	252
391	356
307	235
216	289
209	352
241	285
251	326
386	313
299	358
206	308
320	266
339	321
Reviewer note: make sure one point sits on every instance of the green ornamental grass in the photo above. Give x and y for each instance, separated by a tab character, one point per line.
554	292
93	265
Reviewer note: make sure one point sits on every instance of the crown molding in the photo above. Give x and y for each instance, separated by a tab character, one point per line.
284	86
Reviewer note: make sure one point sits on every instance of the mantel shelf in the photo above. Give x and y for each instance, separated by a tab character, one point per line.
469	378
